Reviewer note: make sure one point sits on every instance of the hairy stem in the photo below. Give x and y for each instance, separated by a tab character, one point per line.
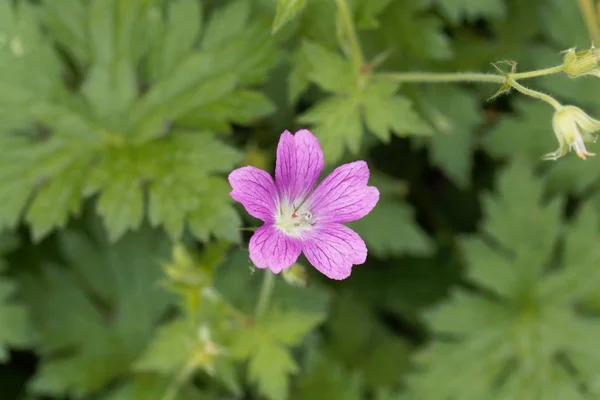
586	7
266	290
538	72
346	18
535	94
432	77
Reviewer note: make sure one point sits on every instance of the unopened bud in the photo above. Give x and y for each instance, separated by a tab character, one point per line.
296	275
576	64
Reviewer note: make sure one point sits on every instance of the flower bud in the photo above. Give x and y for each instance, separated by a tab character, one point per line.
573	128
296	275
206	351
581	63
183	271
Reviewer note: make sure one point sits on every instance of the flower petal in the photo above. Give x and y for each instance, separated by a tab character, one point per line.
254	188
344	196
299	164
271	248
333	249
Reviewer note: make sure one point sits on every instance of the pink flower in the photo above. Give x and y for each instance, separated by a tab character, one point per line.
299	219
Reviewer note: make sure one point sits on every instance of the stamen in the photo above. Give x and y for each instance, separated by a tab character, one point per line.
294	219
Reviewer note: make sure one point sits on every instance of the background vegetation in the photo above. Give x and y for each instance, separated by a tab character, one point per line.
126	274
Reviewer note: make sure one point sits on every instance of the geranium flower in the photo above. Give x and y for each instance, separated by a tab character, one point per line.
573	128
299	218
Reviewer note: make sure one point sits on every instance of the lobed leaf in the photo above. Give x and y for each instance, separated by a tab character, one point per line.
511	342
94	315
286	11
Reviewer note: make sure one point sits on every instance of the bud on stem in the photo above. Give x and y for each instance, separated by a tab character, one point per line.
581	63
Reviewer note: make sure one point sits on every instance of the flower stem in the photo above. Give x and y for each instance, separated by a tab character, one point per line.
432	77
266	290
586	7
535	94
538	72
346	18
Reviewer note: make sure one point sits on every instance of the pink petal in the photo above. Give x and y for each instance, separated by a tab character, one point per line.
344	196
333	249
254	188
270	248
299	164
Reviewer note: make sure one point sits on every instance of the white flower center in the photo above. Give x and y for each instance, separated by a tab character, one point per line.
294	219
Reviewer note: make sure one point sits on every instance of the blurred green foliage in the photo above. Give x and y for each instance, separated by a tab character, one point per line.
125	273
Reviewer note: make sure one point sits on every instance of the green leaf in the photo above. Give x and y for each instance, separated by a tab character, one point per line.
339	118
271	362
562	21
531	137
538	227
110	86
579	279
65	190
528	135
198	340
215	214
390	230
385	112
385	394
266	343
66	22
454	114
456	10
290	326
286	11
337	125
234	52
270	367
362	344
509	344
226	23
558	384
522	24
121	202
316	22
176	35
408	32
98	143
15	323
241	107
367	13
30	165
96	313
298	79
178	171
324	379
24	87
152	387
191	84
405	287
121	177
328	69
170	349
